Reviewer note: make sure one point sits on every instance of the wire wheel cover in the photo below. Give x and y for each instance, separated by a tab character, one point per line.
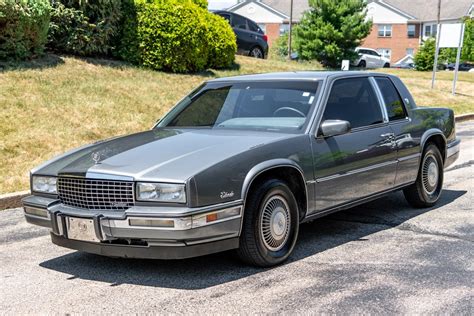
275	223
430	174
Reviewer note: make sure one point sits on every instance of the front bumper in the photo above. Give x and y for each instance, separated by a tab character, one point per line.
116	234
452	152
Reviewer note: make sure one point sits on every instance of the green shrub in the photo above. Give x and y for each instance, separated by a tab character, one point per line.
177	36
23	28
221	41
86	27
424	58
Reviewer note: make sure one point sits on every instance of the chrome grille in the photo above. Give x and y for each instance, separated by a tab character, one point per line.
95	194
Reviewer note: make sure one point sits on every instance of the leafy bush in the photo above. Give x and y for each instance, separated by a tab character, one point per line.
424	58
331	30
177	36
85	27
23	28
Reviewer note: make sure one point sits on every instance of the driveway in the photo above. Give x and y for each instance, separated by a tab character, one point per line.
382	257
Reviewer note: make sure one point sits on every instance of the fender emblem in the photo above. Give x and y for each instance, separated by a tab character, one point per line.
225	195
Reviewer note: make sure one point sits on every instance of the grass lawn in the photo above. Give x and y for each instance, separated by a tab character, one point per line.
58	103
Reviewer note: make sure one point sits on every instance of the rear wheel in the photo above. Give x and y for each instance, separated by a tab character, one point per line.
271	225
426	191
256	52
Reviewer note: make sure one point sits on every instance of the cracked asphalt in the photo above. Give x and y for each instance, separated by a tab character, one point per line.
383	258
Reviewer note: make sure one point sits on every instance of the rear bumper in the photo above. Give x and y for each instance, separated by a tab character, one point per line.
452	152
119	234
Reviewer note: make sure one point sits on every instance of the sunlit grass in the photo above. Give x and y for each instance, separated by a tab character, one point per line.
48	110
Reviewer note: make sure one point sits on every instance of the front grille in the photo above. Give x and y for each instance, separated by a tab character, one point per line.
94	194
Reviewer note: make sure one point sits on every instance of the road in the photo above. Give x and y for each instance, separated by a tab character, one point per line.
382	257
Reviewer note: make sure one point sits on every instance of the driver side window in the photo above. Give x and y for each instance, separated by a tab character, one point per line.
353	100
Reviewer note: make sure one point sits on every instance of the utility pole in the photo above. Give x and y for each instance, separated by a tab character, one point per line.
438	34
290	30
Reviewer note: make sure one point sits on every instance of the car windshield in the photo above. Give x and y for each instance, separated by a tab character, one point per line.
273	106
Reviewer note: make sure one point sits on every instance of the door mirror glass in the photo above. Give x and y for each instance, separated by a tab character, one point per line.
334	127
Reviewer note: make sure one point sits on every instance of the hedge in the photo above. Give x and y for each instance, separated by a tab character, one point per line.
23	28
177	36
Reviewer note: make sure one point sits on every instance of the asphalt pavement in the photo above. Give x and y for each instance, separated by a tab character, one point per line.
383	257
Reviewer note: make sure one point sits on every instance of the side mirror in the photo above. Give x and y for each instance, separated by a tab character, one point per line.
334	127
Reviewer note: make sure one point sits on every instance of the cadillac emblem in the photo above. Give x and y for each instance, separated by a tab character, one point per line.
96	157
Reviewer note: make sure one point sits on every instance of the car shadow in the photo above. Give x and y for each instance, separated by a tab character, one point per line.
353	225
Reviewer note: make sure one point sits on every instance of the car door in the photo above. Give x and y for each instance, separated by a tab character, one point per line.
244	36
362	162
408	151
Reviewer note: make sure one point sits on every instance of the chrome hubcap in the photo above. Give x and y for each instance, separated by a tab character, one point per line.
275	223
430	174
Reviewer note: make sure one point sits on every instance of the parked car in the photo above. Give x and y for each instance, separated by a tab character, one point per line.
404	66
241	162
370	58
462	66
251	40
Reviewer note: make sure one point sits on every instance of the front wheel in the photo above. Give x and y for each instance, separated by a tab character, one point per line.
426	191
270	226
386	65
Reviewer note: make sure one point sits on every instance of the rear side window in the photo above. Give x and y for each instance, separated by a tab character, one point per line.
393	101
253	27
353	100
239	22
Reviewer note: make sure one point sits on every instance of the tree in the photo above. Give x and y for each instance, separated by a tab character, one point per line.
424	58
330	30
468	45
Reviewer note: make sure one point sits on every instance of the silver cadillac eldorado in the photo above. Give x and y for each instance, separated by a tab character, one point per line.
241	162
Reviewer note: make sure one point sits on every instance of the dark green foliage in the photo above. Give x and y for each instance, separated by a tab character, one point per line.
177	36
86	27
424	58
23	28
468	46
331	30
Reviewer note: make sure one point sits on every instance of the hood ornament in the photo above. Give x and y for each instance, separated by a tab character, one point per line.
95	157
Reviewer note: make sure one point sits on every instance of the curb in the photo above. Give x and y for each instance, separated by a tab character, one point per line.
12	200
464	117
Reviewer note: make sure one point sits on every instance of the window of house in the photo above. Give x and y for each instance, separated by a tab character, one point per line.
353	100
430	30
385	52
284	28
411	30
410	51
393	101
385	30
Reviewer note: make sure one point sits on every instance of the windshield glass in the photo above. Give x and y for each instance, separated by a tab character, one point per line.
273	106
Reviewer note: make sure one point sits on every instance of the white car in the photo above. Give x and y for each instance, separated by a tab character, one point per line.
370	58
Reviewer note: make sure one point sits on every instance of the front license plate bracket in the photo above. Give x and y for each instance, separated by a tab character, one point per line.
82	229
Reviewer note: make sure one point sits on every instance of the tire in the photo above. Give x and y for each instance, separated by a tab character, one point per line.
426	191
257	52
270	225
386	65
362	64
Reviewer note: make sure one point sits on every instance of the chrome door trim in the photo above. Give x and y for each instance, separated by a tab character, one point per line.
413	156
356	171
379	98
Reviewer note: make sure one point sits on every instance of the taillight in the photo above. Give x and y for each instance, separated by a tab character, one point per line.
265	37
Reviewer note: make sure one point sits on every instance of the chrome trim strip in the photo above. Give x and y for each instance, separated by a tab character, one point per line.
355	171
106	176
380	98
413	156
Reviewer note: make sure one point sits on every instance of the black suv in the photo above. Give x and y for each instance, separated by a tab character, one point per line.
251	40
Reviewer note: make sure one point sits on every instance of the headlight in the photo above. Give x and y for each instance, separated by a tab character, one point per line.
44	184
161	192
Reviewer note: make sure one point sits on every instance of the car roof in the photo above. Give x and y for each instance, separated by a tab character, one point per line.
297	75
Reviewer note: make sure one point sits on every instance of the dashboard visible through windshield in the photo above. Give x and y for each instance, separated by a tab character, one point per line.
273	106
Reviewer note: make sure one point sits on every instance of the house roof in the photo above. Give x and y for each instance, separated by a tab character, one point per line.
279	7
426	10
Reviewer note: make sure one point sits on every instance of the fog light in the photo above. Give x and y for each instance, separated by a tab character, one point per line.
213	217
40	212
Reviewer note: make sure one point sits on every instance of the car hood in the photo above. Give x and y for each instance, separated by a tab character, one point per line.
157	155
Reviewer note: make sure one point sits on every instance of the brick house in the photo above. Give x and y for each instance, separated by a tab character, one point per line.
399	26
272	16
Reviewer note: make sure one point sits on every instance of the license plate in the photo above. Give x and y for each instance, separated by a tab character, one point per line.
81	229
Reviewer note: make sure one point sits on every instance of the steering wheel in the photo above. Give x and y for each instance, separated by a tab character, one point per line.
287	108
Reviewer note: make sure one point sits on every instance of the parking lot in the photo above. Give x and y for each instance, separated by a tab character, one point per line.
382	257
